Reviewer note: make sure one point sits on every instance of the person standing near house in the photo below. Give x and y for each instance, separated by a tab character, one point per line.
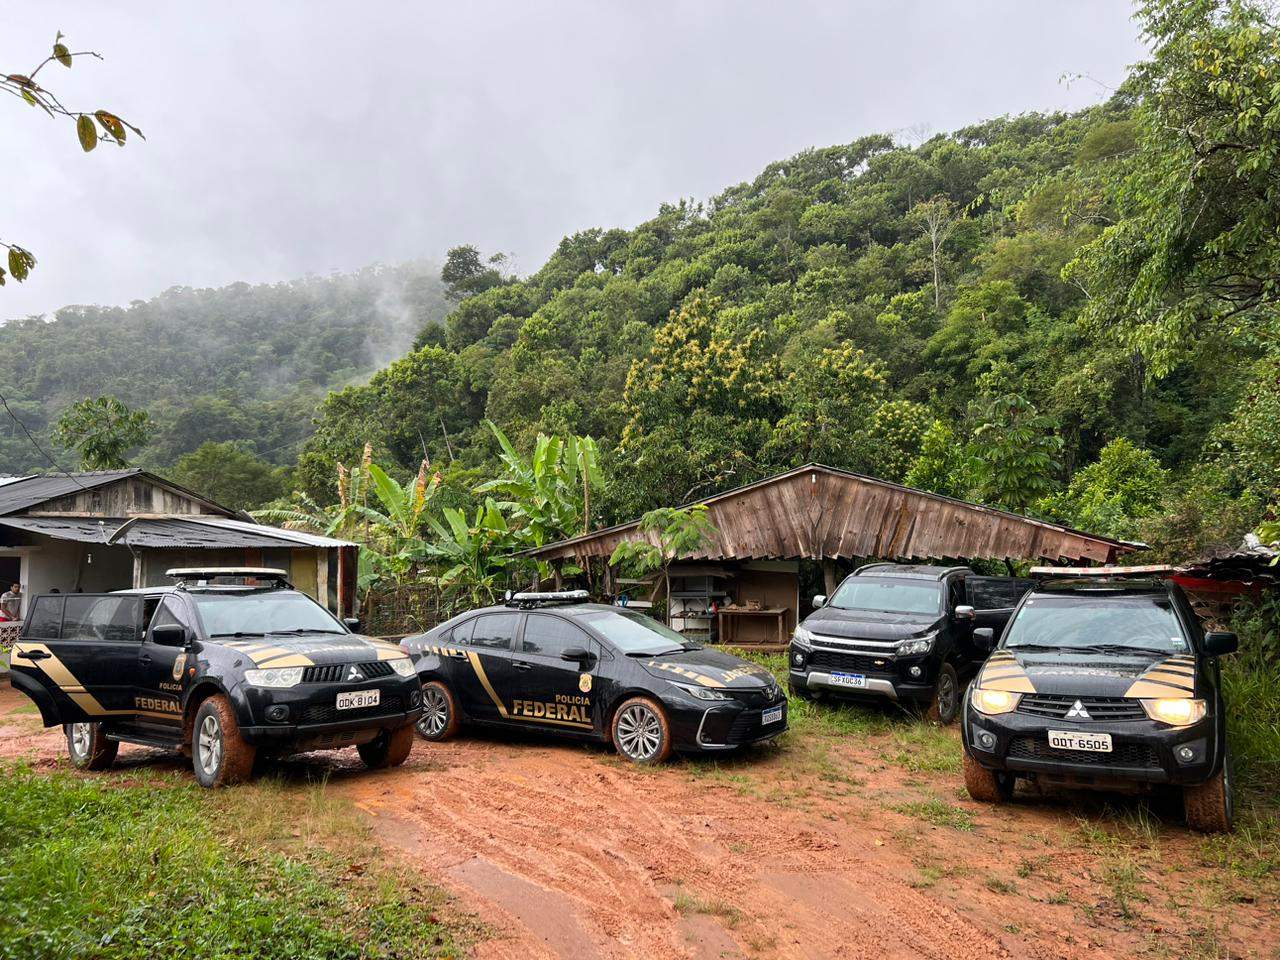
11	603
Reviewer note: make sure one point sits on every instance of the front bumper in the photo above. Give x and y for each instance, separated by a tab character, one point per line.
723	725
1143	751
887	675
311	719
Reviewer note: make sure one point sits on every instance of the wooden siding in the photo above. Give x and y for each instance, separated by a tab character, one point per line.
130	497
819	513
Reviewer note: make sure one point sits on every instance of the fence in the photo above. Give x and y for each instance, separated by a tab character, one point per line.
397	611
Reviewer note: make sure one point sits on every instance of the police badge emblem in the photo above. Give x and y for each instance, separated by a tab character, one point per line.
179	662
584	682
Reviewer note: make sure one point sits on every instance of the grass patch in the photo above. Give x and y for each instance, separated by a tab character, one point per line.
727	913
100	867
939	813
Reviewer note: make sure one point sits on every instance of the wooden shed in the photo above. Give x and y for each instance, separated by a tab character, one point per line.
818	513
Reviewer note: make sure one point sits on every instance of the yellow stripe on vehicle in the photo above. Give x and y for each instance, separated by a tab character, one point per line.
1153	689
478	667
289	660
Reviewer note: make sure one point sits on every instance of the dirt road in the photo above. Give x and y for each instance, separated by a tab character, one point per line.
815	849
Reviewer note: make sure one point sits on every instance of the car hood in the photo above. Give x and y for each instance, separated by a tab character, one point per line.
869	624
708	668
311	649
1071	673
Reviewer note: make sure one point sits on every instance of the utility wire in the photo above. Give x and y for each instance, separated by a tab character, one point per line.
36	443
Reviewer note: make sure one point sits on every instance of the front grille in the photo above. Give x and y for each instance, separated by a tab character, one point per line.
848	662
746	727
1132	755
1056	706
328	713
337	672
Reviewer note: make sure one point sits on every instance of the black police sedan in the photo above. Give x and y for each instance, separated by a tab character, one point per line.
230	664
1103	682
556	663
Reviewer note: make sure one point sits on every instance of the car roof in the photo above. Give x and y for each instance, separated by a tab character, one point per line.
566	608
212	588
914	571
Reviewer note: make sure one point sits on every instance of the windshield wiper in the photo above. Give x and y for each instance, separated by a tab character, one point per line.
298	630
238	633
1126	648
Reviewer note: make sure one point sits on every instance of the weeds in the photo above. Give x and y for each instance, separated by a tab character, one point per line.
727	913
939	813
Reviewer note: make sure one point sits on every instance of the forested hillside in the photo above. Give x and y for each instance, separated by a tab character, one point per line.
239	363
1025	312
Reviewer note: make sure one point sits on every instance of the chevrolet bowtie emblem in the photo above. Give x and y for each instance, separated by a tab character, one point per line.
1078	711
353	673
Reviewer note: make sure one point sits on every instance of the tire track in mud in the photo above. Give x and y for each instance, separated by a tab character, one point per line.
613	848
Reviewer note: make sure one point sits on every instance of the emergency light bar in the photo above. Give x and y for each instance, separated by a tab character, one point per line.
529	599
1153	570
205	575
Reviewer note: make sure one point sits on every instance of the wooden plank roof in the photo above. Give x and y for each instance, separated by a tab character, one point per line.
818	512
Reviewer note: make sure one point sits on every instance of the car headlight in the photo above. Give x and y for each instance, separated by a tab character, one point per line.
274	677
1178	712
403	666
994	701
914	648
702	693
802	638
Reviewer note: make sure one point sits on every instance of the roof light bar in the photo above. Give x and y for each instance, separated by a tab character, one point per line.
531	598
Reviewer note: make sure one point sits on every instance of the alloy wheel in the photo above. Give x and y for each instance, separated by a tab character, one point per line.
639	732
435	712
210	745
81	735
946	696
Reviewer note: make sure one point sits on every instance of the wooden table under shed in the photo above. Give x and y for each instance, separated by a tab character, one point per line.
728	626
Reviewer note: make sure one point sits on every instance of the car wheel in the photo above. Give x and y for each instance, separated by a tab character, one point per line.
1209	807
945	706
641	732
439	720
390	748
89	747
219	753
987	786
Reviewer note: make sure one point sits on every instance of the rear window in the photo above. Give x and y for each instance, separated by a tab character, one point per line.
996	593
116	619
888	596
1082	622
45	619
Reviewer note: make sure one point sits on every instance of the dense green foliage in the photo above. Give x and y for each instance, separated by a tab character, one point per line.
101	431
244	364
97	868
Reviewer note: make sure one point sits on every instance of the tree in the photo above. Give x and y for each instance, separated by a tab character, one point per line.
465	274
941	466
90	127
937	218
670	533
230	474
1114	494
1012	457
475	555
102	431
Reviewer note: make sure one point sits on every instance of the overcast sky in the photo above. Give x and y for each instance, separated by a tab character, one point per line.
309	136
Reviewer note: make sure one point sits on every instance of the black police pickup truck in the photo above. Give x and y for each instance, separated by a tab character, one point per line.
555	663
902	632
1103	682
229	663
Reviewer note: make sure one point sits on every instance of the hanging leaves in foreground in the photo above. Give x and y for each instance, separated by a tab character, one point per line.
87	132
20	263
111	123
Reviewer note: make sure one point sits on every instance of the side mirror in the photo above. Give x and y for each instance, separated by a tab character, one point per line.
984	638
169	635
1220	642
819	600
965	612
353	623
575	654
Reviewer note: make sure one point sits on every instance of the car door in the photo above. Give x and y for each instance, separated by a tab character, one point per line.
82	648
548	690
161	671
994	598
484	681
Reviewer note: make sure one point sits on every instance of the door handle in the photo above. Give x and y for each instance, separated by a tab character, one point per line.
144	658
521	665
35	655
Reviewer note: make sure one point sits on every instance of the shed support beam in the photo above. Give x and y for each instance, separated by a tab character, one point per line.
829	576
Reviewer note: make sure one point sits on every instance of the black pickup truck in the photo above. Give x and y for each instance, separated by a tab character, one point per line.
228	664
902	632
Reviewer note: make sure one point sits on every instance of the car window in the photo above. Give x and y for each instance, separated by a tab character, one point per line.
45	620
1142	622
633	633
272	611
116	619
997	593
888	596
461	633
169	612
549	636
494	630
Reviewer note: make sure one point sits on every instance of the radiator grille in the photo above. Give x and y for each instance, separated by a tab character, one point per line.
1056	707
1130	755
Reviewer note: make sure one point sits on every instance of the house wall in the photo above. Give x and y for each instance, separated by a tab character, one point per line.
69	566
131	497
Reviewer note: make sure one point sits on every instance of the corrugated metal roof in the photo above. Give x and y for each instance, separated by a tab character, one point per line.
197	532
25	492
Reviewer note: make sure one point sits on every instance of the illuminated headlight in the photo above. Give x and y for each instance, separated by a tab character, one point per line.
404	667
702	693
275	677
802	638
994	701
914	648
1175	712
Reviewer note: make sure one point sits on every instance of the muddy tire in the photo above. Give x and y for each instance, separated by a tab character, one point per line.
89	747
945	705
439	720
987	786
390	748
1209	807
219	753
641	732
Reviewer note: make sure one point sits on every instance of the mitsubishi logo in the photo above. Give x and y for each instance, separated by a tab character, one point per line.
1078	711
353	673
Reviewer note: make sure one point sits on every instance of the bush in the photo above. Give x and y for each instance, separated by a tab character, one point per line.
1251	686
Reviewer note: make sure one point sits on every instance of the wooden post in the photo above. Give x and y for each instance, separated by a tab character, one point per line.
557	573
829	576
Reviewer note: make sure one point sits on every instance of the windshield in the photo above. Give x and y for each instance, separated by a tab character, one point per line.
889	596
634	633
1145	622
276	611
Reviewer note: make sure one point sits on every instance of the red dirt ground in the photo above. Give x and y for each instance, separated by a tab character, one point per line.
800	851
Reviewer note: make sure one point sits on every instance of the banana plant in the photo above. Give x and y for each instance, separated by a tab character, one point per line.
474	555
